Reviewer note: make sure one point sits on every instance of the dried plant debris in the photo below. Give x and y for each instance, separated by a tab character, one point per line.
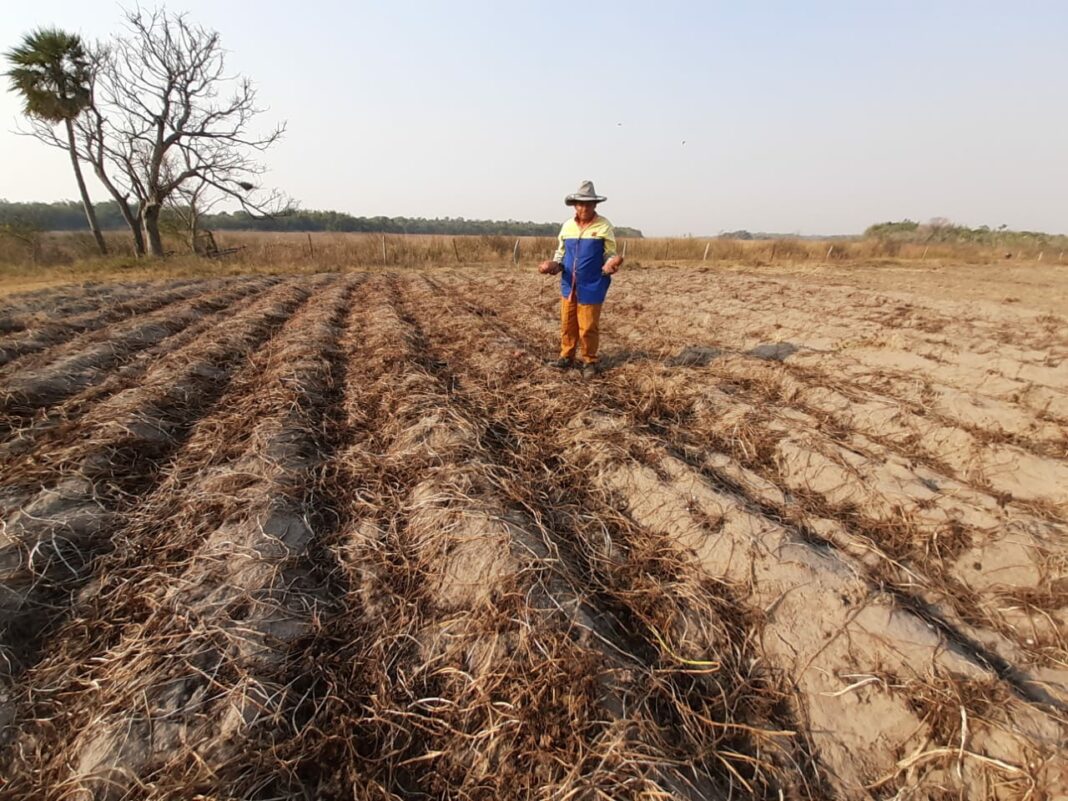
348	536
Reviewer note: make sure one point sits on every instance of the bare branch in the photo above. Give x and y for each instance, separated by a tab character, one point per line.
168	119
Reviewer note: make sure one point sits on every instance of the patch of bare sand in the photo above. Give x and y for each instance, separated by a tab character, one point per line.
1033	285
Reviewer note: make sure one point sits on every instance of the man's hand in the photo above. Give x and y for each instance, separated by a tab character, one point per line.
550	267
611	267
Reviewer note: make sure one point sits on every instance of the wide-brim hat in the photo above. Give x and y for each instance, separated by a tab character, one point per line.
585	194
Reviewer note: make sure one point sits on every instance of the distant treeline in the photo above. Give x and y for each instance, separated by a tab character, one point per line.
761	236
69	216
942	231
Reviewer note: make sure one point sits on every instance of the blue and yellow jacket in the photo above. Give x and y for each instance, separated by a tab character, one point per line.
583	252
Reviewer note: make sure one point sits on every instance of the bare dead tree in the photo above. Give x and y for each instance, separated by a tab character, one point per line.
184	208
159	121
98	151
191	200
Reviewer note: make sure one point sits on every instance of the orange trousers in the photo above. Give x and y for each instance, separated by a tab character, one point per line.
579	326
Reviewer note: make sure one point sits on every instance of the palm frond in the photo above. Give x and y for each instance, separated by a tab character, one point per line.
52	70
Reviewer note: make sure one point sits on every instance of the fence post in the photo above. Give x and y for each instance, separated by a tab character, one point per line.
830	250
707	246
515	253
624	254
1041	253
383	250
924	256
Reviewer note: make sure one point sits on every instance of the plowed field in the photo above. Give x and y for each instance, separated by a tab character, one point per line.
349	536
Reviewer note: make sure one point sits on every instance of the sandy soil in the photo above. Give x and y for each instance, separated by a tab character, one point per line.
350	536
1031	285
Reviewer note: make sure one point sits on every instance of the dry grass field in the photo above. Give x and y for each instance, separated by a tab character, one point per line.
347	536
60	257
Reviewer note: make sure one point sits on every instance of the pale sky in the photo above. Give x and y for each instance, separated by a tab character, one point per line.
815	117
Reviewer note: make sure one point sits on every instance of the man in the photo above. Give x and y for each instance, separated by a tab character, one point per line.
586	260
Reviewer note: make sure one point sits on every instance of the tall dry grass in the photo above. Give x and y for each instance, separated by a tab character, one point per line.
56	257
391	250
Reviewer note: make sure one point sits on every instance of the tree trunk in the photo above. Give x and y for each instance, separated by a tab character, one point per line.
150	218
132	220
90	212
135	228
194	224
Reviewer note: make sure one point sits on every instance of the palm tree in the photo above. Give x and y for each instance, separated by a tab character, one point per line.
53	72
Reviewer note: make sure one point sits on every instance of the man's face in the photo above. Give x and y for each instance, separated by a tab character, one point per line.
585	211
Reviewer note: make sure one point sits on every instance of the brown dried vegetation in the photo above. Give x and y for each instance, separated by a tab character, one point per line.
347	536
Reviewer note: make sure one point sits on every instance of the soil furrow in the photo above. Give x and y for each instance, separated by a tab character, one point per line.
231	592
452	600
30	310
62	506
31	390
57	421
961	529
858	607
352	537
992	461
39	342
852	478
697	686
1019	413
1004	447
959	545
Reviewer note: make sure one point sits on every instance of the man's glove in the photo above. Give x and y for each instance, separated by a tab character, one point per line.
550	267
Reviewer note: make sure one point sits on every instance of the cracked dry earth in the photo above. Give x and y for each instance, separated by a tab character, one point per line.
348	536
